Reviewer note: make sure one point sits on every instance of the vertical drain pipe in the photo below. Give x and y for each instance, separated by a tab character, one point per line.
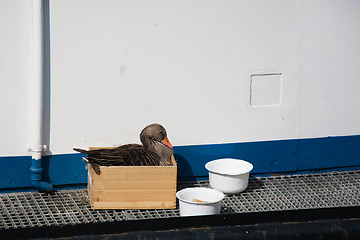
37	108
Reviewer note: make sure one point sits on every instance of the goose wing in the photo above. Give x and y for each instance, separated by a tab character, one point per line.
125	155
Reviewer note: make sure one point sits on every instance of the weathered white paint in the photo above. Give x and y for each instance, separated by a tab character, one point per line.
116	66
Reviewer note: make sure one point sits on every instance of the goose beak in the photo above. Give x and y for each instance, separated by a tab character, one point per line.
167	142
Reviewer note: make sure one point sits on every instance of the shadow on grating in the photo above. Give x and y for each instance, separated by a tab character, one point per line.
264	194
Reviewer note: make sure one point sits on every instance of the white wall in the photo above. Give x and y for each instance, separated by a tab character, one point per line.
15	71
330	68
118	65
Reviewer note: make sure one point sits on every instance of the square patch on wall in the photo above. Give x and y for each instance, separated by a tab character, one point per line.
265	89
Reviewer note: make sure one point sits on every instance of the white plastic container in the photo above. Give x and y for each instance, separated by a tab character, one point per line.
229	175
199	201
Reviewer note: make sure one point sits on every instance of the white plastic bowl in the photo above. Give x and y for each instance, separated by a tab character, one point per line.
199	201
229	175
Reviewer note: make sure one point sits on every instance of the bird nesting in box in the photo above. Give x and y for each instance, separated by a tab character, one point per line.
156	150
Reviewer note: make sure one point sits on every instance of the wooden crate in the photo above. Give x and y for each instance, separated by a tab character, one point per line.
133	187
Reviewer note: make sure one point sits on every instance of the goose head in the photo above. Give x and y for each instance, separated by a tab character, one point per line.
154	138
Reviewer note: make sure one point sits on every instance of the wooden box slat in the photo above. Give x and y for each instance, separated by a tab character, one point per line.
133	187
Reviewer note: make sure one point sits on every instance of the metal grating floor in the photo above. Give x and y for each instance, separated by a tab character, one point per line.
332	189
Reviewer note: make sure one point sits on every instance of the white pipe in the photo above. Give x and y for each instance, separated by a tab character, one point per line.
37	108
37	79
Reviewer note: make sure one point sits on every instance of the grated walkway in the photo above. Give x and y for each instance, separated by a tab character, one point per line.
308	191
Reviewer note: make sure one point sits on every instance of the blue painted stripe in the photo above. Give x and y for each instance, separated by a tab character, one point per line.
298	155
61	169
274	156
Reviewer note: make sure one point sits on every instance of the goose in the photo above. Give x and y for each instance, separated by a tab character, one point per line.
156	150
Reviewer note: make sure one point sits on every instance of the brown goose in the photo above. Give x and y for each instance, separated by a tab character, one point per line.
155	151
